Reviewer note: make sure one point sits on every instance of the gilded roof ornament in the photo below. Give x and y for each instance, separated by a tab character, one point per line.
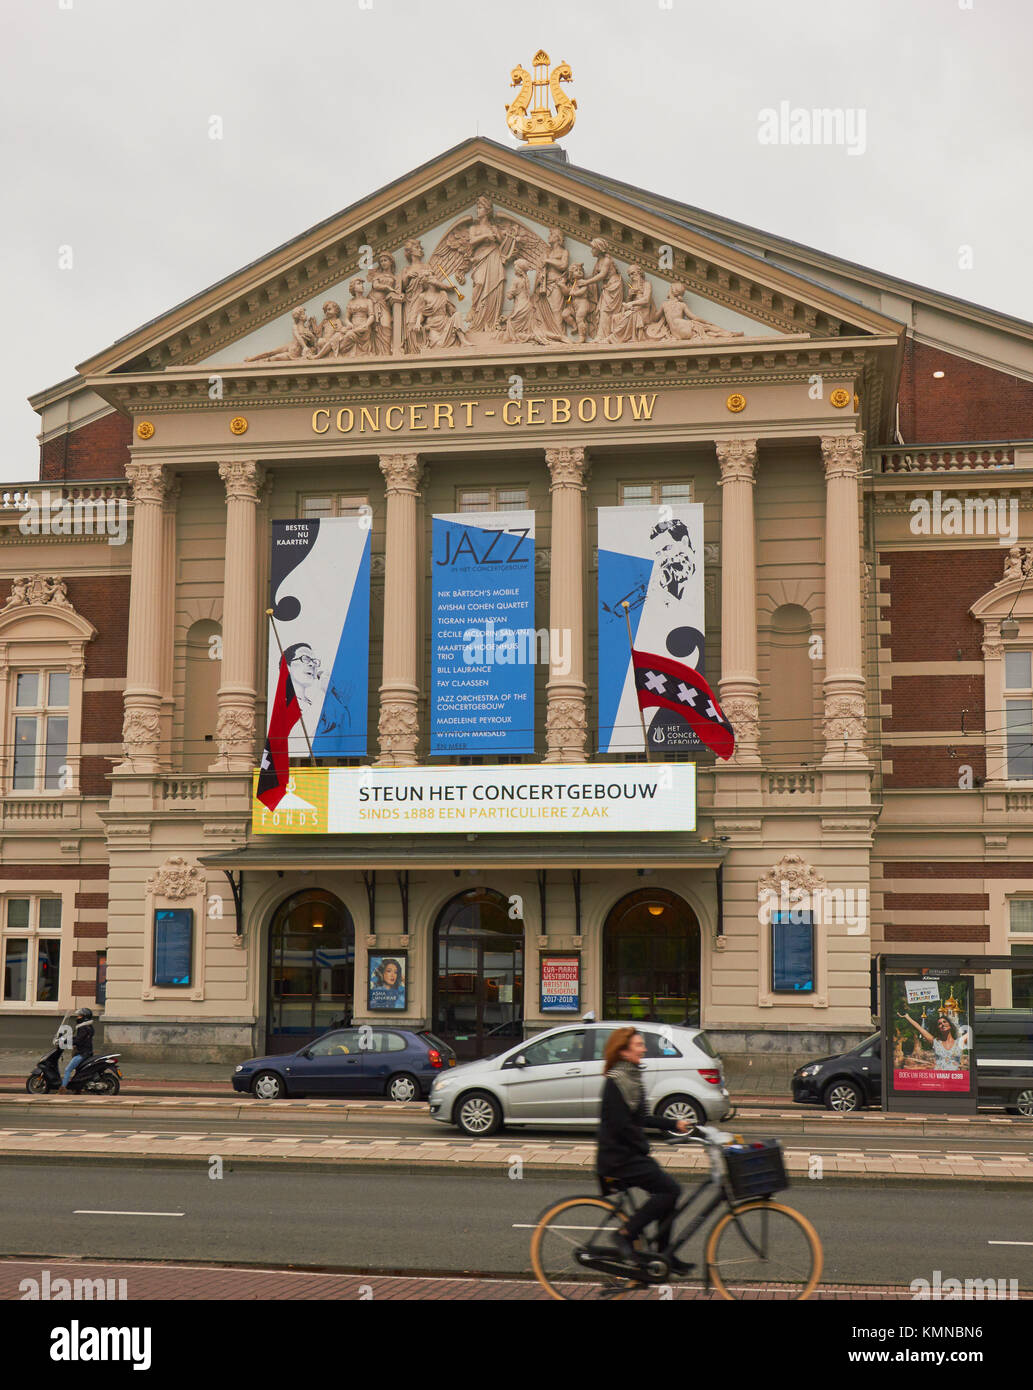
528	115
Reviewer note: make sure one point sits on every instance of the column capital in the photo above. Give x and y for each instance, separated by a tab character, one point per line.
568	466
148	480
403	472
737	459
243	479
842	455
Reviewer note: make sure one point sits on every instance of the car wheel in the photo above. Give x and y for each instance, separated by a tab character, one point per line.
1022	1102
268	1086
403	1087
843	1097
478	1114
681	1108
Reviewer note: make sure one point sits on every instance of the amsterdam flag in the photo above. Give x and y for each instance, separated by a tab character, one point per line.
276	763
669	684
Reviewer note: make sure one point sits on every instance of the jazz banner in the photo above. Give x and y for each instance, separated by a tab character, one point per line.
483	641
650	557
319	586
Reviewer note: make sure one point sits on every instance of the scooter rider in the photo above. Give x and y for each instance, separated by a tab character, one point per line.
82	1043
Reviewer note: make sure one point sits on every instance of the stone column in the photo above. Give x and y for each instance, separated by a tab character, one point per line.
565	722
844	673
739	683
235	724
141	723
399	723
168	617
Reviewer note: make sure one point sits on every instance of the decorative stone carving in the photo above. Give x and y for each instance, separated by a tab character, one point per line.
1018	563
568	467
141	730
843	455
403	472
792	875
243	479
304	341
398	730
676	323
149	481
176	879
566	730
743	713
993	646
481	246
607	290
844	719
235	728
38	589
737	459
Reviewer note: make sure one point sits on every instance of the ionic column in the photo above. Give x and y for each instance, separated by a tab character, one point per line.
844	674
399	724
168	613
565	721
235	724
739	683
141	723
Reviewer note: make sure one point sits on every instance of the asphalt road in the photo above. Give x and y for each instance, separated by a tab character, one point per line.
469	1223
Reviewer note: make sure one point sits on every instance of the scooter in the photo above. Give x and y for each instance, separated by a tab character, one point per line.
98	1075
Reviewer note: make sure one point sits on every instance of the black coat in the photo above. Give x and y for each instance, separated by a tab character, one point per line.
622	1140
82	1039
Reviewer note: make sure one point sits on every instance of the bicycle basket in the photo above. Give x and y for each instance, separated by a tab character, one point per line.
755	1170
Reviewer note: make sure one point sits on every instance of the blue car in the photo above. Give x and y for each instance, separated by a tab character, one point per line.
360	1061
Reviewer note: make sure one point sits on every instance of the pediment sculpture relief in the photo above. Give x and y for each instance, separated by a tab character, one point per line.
492	281
38	589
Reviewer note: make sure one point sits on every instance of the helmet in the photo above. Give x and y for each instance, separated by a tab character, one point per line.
85	1014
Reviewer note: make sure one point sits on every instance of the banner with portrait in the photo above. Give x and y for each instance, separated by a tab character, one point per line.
931	1019
484	646
650	557
319	594
387	980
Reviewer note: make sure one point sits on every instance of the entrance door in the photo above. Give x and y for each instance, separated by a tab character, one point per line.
479	975
311	969
651	959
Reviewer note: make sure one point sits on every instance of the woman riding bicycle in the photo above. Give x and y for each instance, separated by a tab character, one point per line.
622	1155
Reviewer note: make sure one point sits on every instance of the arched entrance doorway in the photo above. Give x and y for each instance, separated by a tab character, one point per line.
478	974
651	946
311	968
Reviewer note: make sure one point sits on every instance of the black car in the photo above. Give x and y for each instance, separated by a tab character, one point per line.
364	1060
846	1082
1004	1053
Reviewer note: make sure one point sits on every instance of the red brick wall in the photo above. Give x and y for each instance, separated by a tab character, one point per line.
968	402
97	450
925	766
929	703
930	593
104	600
973	933
102	716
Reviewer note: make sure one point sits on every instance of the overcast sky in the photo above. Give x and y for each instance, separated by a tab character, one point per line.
108	105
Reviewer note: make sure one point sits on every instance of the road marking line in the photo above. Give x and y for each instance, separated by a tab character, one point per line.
128	1213
1009	1242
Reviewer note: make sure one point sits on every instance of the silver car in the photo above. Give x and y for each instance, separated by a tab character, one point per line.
556	1078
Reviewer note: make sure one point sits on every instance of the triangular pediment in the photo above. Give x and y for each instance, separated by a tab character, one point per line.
423	268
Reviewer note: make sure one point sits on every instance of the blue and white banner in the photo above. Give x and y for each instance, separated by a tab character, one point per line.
651	558
319	585
483	641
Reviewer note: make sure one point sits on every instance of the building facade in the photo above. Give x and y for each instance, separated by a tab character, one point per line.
862	454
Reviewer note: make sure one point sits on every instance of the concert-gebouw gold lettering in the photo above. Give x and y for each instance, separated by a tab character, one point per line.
528	411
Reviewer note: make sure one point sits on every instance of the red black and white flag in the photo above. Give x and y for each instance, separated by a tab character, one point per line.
659	681
276	764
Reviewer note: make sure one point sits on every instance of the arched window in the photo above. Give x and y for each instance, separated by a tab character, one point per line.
479	976
311	968
788	706
651	945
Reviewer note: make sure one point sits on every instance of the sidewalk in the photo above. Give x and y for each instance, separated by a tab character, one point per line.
192	1282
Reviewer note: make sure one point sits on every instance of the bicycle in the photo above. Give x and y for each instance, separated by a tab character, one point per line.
756	1241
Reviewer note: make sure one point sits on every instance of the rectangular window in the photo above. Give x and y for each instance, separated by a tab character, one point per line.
491	499
40	731
1018	728
1020	916
173	947
654	494
792	952
102	977
30	946
312	504
1018	670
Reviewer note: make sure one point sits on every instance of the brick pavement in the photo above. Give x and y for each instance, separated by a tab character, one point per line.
149	1282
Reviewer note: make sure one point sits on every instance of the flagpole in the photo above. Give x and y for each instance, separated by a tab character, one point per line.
631	644
301	717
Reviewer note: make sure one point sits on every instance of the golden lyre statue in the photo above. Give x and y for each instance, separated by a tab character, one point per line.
538	126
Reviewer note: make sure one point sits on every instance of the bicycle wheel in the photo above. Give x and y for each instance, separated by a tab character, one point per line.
762	1242
570	1228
